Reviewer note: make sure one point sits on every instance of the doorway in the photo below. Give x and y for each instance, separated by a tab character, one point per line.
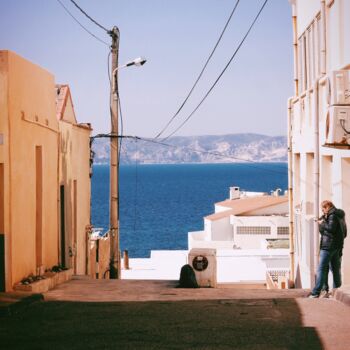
62	227
2	229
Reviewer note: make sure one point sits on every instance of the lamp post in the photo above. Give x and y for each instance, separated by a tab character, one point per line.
114	264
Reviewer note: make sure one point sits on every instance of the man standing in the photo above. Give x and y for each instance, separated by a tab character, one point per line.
333	230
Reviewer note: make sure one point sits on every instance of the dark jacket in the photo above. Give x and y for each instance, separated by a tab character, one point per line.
333	230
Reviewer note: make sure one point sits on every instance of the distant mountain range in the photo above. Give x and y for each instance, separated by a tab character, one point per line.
197	149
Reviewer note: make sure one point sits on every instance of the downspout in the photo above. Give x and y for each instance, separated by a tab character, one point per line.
295	50
316	179
290	150
290	195
316	138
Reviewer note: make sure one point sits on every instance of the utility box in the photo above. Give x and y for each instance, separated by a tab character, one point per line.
203	261
339	87
337	126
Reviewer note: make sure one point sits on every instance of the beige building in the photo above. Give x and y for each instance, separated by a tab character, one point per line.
319	126
44	174
74	184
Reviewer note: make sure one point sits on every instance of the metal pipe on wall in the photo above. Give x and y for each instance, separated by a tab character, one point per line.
316	125
290	150
290	193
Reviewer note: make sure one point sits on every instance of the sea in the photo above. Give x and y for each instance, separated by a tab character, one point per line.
159	204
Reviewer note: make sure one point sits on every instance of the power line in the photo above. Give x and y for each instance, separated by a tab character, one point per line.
200	74
217	154
87	30
89	17
221	74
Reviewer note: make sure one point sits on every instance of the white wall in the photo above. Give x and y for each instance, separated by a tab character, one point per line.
221	230
253	241
249	265
306	10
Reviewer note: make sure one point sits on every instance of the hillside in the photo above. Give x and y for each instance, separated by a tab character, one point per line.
198	149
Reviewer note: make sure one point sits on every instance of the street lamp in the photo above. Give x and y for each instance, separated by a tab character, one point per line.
114	264
140	61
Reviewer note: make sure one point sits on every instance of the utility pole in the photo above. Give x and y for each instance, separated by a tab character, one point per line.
114	264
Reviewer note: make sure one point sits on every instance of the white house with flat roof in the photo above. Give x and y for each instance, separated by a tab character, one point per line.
245	221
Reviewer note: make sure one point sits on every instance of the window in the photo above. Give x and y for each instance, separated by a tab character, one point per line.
309	55
283	230
253	230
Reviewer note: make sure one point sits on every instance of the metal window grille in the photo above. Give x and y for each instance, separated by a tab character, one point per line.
253	230
283	230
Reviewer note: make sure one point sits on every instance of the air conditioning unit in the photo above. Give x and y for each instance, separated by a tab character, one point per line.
339	93
337	126
203	261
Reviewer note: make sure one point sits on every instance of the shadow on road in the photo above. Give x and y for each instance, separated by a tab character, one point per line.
208	324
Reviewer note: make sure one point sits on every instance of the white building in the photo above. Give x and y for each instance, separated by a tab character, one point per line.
245	221
245	232
319	126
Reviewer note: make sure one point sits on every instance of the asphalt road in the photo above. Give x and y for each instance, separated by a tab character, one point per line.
202	324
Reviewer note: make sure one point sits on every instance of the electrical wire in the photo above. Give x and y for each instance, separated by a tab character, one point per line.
87	30
221	74
108	70
89	17
200	74
136	186
121	124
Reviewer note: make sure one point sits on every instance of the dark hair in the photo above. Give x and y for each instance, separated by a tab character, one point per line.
327	204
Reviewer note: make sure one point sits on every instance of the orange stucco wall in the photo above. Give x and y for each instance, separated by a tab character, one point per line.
74	176
38	154
28	111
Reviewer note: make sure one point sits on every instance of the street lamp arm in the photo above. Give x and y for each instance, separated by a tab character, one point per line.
140	61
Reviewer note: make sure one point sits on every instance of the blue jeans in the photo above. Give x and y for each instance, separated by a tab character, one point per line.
332	259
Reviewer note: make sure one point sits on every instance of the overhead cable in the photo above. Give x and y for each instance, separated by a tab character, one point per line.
221	74
82	26
200	74
89	17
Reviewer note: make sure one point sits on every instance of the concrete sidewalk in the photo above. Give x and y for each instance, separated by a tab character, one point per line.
81	288
88	290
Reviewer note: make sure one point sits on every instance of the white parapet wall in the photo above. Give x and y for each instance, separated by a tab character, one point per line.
233	266
249	265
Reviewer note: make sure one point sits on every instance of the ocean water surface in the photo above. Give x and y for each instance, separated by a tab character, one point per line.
160	204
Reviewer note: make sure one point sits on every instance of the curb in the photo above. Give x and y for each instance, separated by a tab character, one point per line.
343	295
11	308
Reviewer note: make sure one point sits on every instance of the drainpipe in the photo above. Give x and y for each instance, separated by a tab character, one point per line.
295	49
316	119
290	151
316	181
323	38
290	194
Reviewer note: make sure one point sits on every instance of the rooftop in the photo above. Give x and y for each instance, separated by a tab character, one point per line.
244	205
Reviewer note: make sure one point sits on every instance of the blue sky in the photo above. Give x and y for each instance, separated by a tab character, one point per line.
176	37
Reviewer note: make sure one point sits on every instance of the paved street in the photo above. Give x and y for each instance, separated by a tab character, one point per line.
168	319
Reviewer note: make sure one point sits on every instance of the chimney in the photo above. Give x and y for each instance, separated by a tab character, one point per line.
234	193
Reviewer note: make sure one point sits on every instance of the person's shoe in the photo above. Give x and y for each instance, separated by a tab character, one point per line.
313	296
332	294
324	294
